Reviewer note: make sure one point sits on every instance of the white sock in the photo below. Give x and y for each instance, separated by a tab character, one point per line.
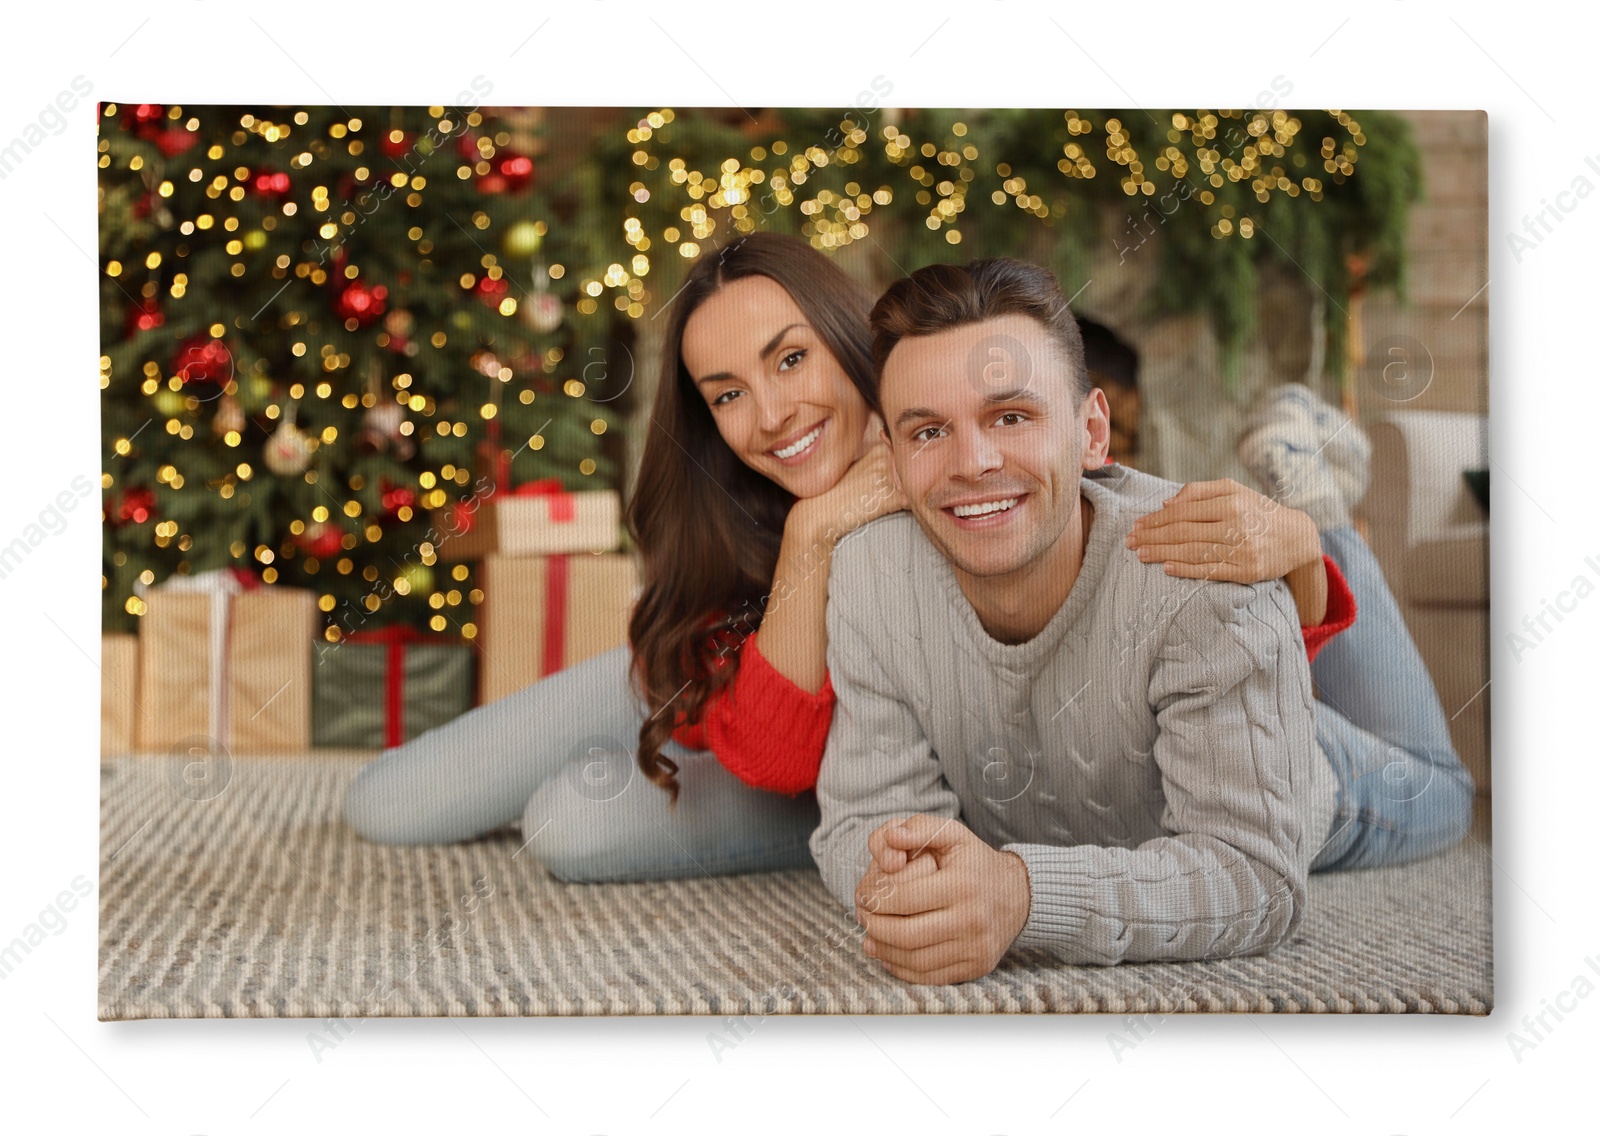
1288	445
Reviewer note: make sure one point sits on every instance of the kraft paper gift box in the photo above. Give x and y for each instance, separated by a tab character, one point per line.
535	519
119	687
225	662
541	614
378	689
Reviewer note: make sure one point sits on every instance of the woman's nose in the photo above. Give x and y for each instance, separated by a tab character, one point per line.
774	410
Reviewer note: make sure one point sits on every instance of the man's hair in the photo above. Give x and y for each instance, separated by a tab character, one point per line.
942	296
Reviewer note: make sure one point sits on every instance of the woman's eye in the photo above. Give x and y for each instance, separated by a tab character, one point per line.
791	359
722	399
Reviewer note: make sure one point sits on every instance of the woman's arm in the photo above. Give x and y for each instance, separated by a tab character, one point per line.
1221	530
1309	586
770	725
765	730
794	632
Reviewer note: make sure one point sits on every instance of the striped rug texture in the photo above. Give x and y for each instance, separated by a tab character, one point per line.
259	902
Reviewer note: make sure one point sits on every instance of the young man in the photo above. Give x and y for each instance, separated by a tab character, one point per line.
1039	740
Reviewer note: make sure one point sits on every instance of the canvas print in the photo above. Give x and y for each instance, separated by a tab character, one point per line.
724	561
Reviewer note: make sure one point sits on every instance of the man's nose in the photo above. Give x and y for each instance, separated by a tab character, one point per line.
976	453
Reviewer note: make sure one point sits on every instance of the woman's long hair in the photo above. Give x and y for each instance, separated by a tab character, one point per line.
708	526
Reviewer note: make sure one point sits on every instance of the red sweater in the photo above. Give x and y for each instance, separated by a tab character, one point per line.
770	733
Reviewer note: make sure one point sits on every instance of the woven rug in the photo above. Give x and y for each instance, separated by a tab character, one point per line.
259	902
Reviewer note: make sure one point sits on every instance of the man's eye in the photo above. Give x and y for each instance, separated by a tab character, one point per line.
918	436
791	359
1013	414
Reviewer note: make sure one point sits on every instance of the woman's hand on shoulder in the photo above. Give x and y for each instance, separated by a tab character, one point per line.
866	491
1222	530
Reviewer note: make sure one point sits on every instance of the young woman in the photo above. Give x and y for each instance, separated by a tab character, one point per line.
693	750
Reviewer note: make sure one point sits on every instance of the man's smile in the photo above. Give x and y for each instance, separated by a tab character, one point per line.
985	512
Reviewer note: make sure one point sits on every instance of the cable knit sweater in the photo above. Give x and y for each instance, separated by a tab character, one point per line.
770	733
1149	754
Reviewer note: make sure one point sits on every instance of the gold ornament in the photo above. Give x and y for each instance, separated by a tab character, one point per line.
288	451
542	311
523	239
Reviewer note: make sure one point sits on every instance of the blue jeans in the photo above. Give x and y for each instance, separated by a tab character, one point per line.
1403	792
558	757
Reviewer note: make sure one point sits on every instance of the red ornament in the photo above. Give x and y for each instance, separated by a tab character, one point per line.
143	316
201	359
175	141
270	183
396	497
146	115
508	172
138	505
148	121
321	540
360	303
490	290
516	169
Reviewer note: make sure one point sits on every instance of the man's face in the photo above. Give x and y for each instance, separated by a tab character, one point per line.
987	444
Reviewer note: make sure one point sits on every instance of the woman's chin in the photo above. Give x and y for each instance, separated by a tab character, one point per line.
811	480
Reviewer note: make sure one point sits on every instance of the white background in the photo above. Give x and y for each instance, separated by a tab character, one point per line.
1530	70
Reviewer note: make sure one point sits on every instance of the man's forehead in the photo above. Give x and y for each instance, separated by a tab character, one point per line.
1004	358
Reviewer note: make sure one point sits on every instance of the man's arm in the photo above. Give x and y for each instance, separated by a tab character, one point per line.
1236	751
878	765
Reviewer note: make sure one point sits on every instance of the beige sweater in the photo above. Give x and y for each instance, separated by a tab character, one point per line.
1149	754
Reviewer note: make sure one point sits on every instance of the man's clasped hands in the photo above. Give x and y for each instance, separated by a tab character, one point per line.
939	905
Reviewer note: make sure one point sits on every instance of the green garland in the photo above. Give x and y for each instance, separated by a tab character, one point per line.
1223	192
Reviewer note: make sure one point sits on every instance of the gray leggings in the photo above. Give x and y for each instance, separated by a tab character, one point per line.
557	757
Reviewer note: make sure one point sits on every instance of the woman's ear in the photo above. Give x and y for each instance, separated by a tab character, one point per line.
1096	418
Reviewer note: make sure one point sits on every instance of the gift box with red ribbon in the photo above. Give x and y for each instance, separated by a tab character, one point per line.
538	518
543	613
378	689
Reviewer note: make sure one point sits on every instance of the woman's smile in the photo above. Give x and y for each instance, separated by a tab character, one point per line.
798	449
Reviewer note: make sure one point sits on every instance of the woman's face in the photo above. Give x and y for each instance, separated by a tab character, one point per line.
779	398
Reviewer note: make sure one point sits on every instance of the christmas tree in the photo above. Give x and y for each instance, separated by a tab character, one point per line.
318	327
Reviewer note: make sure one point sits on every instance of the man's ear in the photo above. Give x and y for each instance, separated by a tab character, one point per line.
1096	417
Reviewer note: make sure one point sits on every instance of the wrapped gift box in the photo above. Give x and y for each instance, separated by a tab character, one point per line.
543	613
378	689
119	688
536	519
225	665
